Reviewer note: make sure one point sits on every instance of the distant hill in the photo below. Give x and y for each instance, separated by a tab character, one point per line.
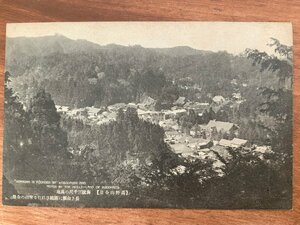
180	51
46	45
81	73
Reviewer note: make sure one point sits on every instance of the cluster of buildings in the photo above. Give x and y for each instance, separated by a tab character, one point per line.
213	141
219	153
89	115
210	141
191	149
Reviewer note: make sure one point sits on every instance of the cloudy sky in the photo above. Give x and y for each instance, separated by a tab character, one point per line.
214	36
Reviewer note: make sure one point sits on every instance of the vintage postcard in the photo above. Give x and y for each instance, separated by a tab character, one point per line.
148	114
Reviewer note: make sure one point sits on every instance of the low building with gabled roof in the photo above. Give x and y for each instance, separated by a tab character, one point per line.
237	142
224	127
225	143
234	143
222	152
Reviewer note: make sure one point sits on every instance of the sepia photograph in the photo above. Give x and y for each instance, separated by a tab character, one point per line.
148	115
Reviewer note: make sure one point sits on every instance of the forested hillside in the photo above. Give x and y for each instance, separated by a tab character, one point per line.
80	73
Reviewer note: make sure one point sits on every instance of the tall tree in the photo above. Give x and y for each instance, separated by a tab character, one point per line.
48	136
16	135
277	103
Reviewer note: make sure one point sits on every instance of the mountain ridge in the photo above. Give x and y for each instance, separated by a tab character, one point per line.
61	43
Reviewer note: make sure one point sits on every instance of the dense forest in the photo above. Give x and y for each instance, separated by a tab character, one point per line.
41	143
104	75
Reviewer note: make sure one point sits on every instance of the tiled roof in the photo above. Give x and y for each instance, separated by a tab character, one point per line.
225	126
238	141
224	142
